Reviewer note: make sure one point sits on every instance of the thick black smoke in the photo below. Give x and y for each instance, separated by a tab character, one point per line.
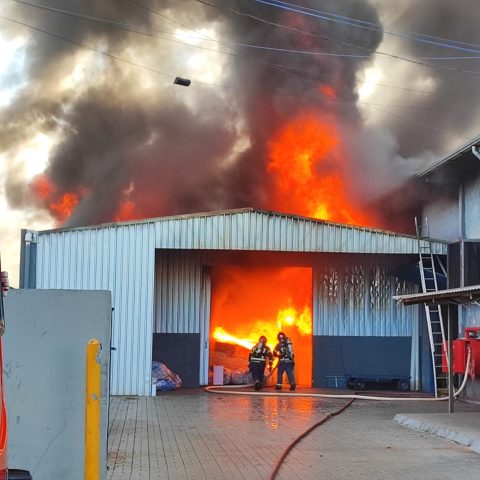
126	133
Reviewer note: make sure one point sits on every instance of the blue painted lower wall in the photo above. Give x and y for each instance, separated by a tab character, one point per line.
180	352
335	358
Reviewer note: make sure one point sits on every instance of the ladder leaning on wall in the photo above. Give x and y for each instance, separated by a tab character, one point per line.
436	330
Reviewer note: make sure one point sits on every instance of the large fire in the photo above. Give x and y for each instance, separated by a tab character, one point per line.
250	302
309	167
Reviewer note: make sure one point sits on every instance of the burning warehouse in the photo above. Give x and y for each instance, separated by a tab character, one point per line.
197	290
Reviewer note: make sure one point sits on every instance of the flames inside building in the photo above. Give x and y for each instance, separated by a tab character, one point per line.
250	302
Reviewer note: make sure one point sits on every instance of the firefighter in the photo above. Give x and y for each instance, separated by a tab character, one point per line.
286	360
258	357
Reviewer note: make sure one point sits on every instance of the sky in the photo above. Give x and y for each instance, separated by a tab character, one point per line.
312	107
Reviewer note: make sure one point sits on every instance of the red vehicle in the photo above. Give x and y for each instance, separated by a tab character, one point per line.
5	473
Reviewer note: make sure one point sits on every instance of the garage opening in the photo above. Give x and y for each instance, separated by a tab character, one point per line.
249	302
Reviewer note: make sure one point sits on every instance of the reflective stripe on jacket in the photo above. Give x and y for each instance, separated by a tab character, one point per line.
260	354
284	351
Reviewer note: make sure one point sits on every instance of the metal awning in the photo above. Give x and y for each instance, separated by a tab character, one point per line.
452	295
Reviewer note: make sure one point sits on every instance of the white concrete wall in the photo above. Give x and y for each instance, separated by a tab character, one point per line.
44	348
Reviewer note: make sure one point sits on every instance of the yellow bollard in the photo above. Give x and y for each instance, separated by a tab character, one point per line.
92	412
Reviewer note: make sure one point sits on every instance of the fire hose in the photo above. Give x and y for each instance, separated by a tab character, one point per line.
352	397
231	390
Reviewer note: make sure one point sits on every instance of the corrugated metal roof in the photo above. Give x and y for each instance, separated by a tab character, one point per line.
451	295
464	149
252	229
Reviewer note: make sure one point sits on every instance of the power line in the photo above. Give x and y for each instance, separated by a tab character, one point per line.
123	26
60	37
322	15
130	29
351	104
341	42
424	92
344	55
154	70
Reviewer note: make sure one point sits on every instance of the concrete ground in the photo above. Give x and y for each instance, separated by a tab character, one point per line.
192	434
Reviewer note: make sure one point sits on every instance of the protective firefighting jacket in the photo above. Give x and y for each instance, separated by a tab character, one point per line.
284	351
260	353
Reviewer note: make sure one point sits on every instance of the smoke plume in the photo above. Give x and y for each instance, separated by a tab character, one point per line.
127	143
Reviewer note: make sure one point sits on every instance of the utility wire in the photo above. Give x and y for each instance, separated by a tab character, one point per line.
341	42
205	84
345	55
102	52
155	35
406	32
127	27
322	15
153	70
123	26
150	34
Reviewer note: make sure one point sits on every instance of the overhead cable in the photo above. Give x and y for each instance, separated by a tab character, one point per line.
347	103
141	32
321	15
155	34
341	42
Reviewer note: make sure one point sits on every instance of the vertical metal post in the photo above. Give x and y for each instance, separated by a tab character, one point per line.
92	411
450	360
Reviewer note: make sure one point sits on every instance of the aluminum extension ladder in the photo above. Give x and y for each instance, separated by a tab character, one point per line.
436	330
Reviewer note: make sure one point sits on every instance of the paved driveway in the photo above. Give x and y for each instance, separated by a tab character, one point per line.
191	434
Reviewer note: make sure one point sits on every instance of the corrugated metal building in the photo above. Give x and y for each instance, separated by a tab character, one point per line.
159	273
453	213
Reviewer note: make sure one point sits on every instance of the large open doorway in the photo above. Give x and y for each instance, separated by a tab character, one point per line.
247	302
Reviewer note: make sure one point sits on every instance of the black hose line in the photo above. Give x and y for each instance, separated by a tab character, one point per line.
290	447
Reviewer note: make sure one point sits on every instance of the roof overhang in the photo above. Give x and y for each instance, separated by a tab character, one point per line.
457	296
462	153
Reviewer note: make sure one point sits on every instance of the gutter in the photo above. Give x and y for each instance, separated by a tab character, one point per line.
475	151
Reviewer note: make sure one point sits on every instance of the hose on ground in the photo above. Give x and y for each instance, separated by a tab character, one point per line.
230	390
290	447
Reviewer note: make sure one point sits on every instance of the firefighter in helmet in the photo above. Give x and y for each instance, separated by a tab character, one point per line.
258	357
286	360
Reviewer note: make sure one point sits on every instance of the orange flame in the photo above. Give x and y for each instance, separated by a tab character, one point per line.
287	317
61	207
64	208
221	335
250	302
42	187
308	168
126	212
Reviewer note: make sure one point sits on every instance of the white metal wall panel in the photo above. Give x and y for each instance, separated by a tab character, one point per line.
353	301
443	218
178	293
182	299
119	259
